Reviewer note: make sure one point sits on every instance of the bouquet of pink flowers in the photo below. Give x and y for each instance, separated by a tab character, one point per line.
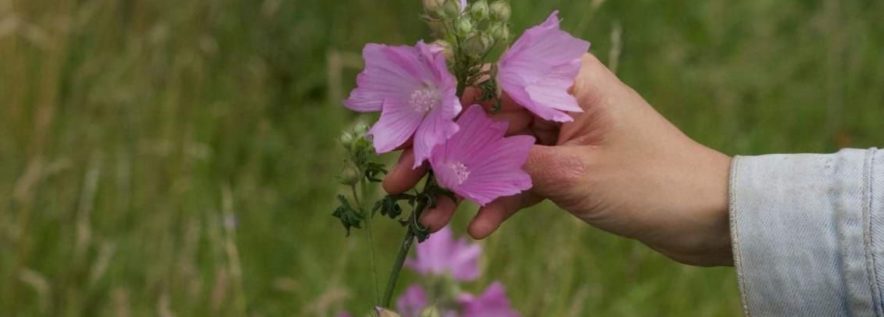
418	91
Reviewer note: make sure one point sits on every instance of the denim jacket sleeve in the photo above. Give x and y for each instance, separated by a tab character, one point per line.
808	233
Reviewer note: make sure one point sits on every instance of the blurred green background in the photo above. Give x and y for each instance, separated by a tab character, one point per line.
167	157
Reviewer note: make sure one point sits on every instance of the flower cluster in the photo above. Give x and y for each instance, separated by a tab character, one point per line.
418	90
417	96
444	261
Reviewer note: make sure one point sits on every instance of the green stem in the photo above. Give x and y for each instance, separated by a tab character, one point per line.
405	246
407	241
367	214
374	266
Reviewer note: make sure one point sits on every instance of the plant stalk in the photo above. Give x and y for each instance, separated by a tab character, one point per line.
404	247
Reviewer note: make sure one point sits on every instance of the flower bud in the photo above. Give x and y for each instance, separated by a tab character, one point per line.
437	28
463	26
433	5
360	129
479	10
500	10
383	312
477	44
349	177
500	32
451	8
431	311
346	139
446	49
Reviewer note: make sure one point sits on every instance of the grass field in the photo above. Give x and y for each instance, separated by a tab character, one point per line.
165	157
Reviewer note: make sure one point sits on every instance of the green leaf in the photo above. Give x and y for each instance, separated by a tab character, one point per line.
349	217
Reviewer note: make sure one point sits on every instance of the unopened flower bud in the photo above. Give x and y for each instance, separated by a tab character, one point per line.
477	44
360	129
349	177
346	139
463	26
433	6
437	27
500	10
479	10
451	8
446	49
431	311
383	312
500	32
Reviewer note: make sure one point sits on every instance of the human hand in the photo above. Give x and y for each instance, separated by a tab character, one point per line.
619	166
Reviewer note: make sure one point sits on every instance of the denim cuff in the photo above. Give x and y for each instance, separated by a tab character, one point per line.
802	230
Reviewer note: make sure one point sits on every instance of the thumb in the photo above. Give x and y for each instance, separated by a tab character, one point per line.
555	170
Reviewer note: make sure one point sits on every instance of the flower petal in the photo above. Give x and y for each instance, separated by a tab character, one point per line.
397	123
465	260
441	254
492	302
479	163
412	301
387	75
499	173
436	128
540	67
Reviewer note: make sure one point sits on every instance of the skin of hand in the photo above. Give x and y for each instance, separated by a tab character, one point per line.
619	166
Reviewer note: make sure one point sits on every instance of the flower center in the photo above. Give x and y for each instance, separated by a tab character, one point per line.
461	172
424	99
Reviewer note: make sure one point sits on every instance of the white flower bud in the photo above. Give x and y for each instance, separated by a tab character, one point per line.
433	5
500	10
479	10
349	177
500	32
451	8
463	26
446	49
360	128
346	138
431	311
477	44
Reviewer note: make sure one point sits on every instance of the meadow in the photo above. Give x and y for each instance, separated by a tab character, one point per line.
179	158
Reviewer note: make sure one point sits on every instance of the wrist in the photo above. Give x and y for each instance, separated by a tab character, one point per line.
712	241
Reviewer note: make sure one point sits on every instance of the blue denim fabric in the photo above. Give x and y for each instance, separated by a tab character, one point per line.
808	233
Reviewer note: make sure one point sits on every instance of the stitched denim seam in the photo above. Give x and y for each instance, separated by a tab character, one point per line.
868	196
735	236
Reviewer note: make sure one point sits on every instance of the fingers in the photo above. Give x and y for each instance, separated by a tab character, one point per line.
492	215
546	132
469	97
594	81
402	177
555	170
437	217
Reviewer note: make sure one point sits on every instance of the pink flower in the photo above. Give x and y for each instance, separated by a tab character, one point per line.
540	67
479	163
441	254
414	92
492	303
412	302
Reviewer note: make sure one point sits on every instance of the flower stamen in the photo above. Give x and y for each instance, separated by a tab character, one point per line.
461	172
424	99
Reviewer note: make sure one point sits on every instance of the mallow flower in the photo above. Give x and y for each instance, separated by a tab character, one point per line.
412	301
415	93
540	67
492	302
442	254
478	162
